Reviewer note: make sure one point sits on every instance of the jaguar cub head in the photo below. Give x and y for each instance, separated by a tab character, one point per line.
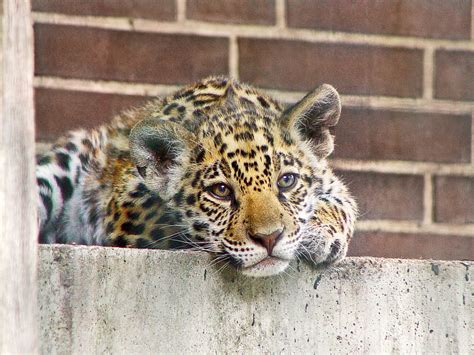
244	175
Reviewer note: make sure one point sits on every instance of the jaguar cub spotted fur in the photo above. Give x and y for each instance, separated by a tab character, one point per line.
218	166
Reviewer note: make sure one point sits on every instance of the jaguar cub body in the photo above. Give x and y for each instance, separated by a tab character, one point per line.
218	166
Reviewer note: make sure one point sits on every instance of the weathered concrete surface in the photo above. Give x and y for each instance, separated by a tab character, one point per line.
107	300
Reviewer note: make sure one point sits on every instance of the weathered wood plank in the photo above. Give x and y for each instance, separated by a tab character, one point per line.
18	231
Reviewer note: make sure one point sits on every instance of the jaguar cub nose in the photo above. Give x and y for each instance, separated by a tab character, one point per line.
268	241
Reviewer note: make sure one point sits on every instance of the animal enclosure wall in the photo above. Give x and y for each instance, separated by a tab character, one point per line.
404	68
110	300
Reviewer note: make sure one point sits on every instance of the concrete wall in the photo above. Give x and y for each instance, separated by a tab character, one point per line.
107	300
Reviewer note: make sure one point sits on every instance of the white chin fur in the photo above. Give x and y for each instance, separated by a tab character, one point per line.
266	267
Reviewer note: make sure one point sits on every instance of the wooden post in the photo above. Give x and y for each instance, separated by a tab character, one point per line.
18	230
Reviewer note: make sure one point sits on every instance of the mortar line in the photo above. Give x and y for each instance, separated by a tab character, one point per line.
428	199
233	57
413	227
472	136
42	147
180	11
395	103
390	167
202	28
428	73
280	13
408	104
402	167
104	87
376	102
472	19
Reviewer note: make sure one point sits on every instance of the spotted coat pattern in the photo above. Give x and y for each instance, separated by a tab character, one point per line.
209	168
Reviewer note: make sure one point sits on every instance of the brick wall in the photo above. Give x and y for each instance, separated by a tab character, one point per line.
405	69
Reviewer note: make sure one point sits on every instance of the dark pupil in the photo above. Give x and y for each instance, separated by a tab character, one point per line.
221	189
287	179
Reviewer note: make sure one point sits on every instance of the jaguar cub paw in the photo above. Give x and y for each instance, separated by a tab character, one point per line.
324	246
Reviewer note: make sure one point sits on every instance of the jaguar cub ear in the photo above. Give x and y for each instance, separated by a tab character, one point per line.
312	117
157	148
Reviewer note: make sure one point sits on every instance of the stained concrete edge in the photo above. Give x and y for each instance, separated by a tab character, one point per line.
115	300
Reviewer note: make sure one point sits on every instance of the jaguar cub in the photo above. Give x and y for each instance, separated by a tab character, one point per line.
218	166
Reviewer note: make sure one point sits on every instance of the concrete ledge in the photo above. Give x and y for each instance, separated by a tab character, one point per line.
96	300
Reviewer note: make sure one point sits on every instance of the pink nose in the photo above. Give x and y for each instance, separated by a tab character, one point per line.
268	241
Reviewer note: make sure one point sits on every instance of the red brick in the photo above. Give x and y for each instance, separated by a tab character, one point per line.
261	12
412	246
164	10
58	111
454	199
379	135
419	18
386	196
454	75
353	69
90	53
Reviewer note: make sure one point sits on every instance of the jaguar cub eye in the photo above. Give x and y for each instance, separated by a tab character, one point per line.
286	181
221	191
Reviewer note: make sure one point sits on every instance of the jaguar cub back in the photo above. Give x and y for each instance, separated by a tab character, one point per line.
218	166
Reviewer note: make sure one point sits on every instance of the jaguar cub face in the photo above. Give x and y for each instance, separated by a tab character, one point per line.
245	178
